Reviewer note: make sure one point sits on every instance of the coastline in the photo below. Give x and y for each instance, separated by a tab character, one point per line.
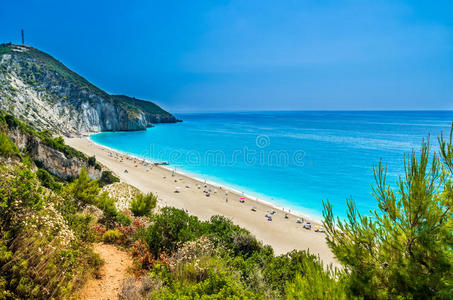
282	234
248	194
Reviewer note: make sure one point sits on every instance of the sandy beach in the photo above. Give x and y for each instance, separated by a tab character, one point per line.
283	234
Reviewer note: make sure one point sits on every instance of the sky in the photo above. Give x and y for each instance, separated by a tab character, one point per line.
220	55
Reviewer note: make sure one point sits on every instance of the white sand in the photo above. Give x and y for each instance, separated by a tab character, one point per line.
282	234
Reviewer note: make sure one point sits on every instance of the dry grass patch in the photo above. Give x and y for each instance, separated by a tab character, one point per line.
123	192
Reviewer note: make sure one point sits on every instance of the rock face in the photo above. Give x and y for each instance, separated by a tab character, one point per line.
51	159
39	89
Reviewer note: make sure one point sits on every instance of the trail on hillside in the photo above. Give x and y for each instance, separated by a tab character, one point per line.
113	273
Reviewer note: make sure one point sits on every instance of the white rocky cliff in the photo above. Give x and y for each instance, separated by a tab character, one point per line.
39	89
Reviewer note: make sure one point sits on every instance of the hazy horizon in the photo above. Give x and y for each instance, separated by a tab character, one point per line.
214	56
310	110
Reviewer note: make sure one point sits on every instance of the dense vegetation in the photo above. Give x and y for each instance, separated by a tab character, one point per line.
402	250
181	255
134	104
107	178
44	245
45	235
7	147
142	205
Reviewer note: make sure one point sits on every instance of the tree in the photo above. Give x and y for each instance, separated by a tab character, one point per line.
84	189
142	205
92	161
7	147
404	250
316	283
107	177
284	268
171	228
47	180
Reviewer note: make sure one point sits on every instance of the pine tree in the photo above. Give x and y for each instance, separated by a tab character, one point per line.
404	249
84	189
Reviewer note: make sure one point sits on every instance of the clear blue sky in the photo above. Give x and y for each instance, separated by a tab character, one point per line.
217	55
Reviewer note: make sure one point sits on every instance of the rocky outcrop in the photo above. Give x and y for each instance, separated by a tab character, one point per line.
39	89
51	159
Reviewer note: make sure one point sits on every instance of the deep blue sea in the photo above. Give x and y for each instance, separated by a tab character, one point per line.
293	159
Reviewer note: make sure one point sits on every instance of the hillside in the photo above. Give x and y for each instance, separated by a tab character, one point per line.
55	229
39	89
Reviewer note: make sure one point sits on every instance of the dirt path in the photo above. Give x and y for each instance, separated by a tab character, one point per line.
112	274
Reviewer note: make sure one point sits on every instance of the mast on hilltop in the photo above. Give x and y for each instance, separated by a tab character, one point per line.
23	40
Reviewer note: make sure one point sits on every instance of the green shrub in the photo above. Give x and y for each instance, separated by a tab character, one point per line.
317	282
7	147
123	219
284	268
80	224
87	192
111	214
42	254
208	278
233	237
92	161
18	191
107	177
245	244
404	250
59	144
84	189
142	205
48	180
111	236
12	122
169	229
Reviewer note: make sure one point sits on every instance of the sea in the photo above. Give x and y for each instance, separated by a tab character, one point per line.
293	159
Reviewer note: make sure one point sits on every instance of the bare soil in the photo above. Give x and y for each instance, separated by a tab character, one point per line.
114	271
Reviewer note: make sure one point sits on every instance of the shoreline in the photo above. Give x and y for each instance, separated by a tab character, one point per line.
225	186
283	234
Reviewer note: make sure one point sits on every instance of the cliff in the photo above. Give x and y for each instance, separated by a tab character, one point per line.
39	89
46	151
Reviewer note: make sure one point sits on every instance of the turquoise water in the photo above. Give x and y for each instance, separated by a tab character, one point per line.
293	159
